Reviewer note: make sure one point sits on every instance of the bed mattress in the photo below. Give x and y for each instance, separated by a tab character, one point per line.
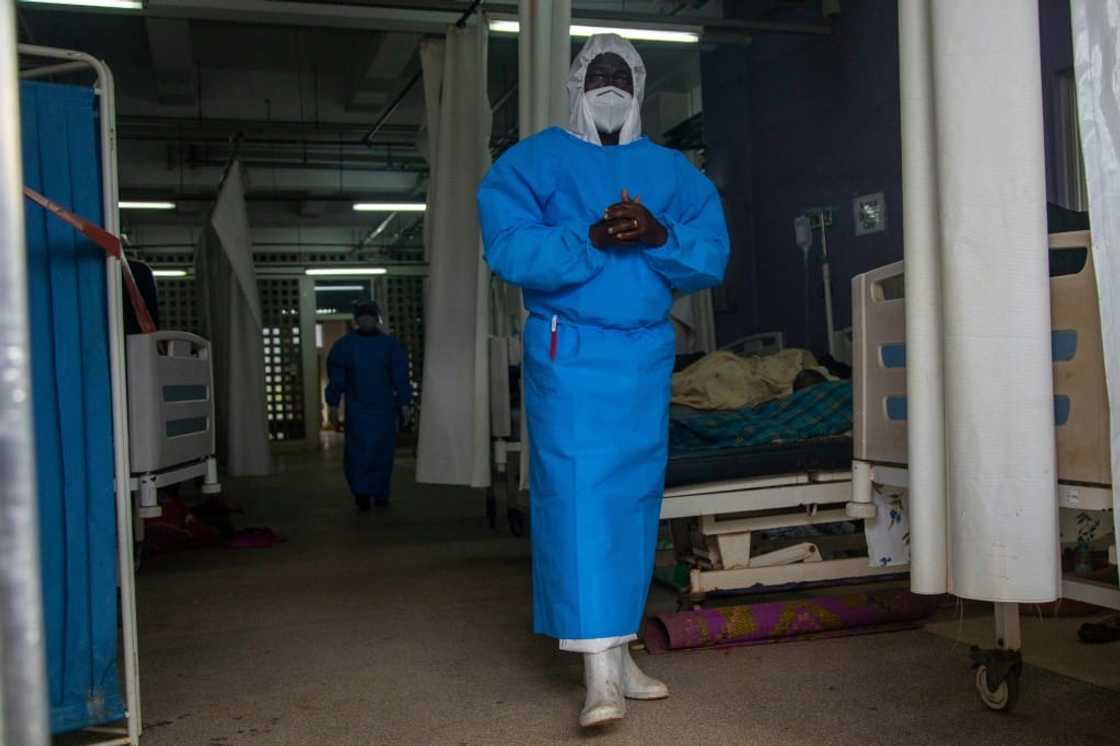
818	454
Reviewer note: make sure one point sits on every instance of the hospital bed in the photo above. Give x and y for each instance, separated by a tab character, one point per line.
725	508
170	417
1080	407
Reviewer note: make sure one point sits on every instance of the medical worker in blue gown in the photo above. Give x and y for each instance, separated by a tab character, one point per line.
370	370
599	227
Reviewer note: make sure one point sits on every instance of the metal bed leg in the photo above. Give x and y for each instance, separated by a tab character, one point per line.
998	670
210	483
861	506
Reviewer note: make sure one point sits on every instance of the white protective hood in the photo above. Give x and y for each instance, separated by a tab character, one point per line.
580	122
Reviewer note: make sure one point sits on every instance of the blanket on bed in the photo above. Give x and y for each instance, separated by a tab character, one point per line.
725	381
815	412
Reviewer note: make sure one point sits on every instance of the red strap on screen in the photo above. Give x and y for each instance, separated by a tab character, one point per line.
109	243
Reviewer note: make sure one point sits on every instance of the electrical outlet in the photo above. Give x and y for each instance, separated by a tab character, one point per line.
870	213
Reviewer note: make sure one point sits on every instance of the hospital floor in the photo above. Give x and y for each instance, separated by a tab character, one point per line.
411	626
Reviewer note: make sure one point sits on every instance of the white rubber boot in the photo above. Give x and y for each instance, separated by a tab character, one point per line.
635	684
602	673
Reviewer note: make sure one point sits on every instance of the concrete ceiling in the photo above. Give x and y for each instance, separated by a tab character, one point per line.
298	84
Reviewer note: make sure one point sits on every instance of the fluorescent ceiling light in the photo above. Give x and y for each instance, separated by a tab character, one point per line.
390	207
346	271
636	34
169	273
340	288
142	205
114	4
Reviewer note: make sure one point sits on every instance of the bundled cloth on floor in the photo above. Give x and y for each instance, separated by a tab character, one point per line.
723	380
778	621
814	412
210	524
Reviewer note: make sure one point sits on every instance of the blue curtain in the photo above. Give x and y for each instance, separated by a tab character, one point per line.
72	407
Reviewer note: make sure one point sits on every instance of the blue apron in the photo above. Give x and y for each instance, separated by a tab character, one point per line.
598	431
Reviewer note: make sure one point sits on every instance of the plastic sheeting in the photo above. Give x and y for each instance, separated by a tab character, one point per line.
72	408
999	414
1096	39
231	320
454	446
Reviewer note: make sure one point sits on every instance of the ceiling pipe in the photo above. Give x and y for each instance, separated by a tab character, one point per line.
396	102
373	234
430	17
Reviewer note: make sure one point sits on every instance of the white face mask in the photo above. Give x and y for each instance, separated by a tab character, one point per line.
609	107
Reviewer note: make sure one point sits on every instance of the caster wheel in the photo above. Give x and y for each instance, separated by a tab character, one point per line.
1004	697
516	522
692	601
688	603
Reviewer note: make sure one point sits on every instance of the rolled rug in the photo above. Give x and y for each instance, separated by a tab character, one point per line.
777	621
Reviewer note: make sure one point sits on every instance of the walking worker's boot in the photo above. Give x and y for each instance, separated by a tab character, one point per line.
636	684
602	673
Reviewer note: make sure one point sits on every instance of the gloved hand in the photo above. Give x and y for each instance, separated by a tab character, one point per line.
628	224
332	417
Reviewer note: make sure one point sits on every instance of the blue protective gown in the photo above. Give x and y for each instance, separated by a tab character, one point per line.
371	372
598	412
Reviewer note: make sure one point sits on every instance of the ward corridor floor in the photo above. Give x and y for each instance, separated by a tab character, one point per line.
412	626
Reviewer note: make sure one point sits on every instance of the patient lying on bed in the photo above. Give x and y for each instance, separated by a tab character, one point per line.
726	381
807	378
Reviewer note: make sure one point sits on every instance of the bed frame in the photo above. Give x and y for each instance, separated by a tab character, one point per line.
1081	408
714	524
1081	399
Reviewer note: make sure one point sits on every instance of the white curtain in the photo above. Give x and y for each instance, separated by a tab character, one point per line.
694	322
231	320
1096	38
505	309
928	512
454	443
1070	162
431	62
545	54
988	182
